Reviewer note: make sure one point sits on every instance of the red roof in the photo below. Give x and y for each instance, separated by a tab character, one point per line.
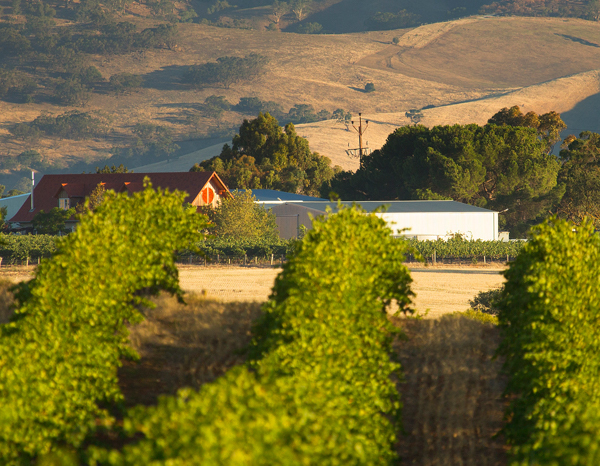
46	192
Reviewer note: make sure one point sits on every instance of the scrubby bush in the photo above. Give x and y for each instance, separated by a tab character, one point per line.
71	125
125	82
30	159
226	71
369	87
320	389
550	320
72	92
90	76
383	21
310	28
486	301
59	356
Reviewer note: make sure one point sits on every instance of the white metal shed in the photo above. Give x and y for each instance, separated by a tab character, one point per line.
420	219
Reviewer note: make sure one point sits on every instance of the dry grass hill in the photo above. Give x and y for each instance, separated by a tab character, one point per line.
461	71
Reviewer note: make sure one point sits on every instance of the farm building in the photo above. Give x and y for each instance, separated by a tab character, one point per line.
66	191
421	219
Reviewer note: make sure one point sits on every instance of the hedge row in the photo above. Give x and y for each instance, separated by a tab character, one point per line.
550	318
319	387
59	355
15	248
458	247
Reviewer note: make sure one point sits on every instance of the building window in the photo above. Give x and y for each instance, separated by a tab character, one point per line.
64	203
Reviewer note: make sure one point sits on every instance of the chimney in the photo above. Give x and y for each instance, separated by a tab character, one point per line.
32	183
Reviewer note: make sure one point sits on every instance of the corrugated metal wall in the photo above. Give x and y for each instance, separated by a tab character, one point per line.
290	217
424	225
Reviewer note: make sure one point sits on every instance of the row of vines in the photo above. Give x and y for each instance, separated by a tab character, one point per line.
16	249
550	318
318	388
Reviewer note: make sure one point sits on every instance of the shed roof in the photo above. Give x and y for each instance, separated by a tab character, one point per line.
403	206
81	185
271	195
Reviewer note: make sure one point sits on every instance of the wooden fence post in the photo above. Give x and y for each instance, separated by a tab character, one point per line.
271	260
245	258
434	257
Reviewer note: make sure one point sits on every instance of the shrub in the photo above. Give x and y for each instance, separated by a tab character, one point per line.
125	82
319	391
310	28
226	71
396	40
370	87
90	76
25	132
71	125
486	301
30	159
550	320
215	105
72	92
384	21
59	356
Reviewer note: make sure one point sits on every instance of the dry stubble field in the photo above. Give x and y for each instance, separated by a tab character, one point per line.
439	289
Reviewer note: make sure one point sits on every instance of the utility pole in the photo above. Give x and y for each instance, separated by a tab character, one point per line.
360	130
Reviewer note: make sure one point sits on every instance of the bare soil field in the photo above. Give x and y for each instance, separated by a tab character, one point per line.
439	290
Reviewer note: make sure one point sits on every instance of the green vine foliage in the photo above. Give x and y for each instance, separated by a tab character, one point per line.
319	387
17	248
550	318
59	356
459	247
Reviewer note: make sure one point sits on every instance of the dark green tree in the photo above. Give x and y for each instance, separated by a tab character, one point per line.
548	125
264	155
113	169
499	167
580	174
53	222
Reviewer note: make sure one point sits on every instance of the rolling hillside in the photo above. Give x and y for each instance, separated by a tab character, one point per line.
461	71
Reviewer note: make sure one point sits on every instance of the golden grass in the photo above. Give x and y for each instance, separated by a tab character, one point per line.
185	345
451	392
439	64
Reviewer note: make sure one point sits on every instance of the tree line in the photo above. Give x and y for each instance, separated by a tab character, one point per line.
506	165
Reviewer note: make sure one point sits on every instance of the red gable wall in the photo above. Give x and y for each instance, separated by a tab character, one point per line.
45	193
